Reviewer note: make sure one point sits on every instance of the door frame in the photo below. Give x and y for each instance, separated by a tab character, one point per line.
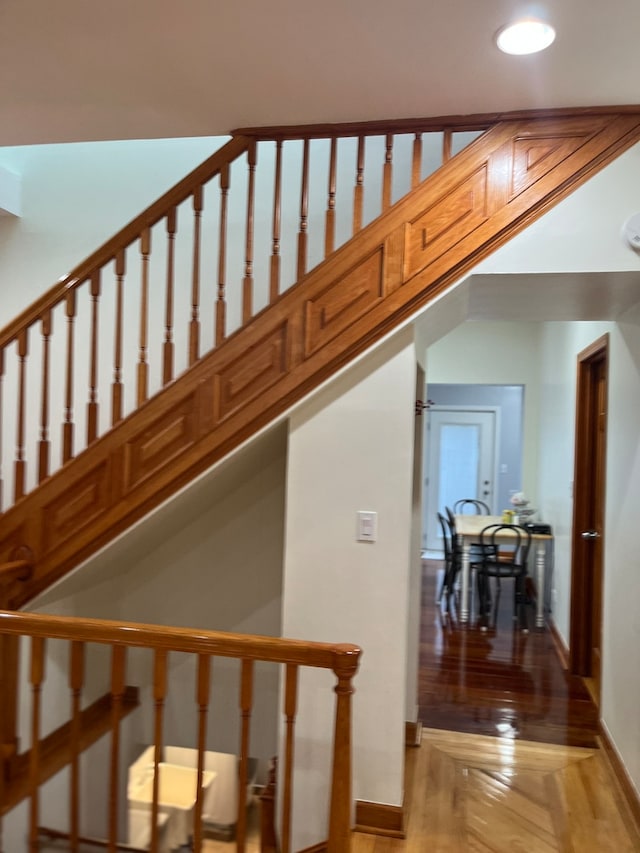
580	629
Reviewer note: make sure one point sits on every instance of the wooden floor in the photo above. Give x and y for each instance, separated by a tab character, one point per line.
478	794
509	758
499	682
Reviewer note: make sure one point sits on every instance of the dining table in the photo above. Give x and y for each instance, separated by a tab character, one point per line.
468	530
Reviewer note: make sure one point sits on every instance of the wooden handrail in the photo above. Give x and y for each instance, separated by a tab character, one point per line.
218	643
455	123
15	570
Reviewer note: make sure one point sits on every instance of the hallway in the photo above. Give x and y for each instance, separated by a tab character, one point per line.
509	758
501	682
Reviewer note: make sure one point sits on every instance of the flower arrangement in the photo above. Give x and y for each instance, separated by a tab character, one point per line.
519	499
521	503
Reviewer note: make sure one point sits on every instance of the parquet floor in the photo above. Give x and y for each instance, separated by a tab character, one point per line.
509	759
500	795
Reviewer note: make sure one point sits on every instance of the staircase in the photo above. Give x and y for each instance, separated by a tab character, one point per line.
129	461
188	378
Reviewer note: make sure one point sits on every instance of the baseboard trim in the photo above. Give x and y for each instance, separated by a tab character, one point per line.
628	789
321	847
562	650
379	819
412	733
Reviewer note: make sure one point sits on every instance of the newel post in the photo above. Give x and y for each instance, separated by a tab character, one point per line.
345	667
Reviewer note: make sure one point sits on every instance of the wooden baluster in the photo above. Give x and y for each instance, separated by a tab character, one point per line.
1	426
387	173
194	328
359	188
20	468
9	667
246	702
36	678
116	389
92	405
274	284
44	443
4	758
202	700
290	706
221	305
268	840
118	670
167	360
247	282
3	764
446	146
76	683
143	367
416	165
304	213
330	220
345	667
159	696
68	427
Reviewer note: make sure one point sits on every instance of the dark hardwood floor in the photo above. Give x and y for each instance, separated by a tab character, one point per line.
502	682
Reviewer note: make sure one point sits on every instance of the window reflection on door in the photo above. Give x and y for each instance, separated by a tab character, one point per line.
460	462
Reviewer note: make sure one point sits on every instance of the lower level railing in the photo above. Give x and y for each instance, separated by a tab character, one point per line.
103	701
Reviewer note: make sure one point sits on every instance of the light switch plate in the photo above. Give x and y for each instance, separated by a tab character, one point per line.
367	527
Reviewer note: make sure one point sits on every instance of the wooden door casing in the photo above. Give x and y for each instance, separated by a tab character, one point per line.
585	650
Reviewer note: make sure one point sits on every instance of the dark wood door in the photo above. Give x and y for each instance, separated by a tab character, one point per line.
589	515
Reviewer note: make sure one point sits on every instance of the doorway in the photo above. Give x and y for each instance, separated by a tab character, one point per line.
588	515
507	404
459	462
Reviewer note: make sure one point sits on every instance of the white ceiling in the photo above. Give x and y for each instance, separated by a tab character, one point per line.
81	70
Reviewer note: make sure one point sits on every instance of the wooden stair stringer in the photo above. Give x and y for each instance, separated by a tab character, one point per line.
477	201
57	749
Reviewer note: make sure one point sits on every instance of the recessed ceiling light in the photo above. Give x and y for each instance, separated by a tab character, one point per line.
528	36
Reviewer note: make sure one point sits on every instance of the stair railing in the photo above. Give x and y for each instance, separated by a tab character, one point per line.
46	756
191	270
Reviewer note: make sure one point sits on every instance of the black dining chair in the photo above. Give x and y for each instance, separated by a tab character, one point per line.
477	508
499	567
471	506
451	563
475	554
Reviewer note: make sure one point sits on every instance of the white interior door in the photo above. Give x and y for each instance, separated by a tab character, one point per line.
459	463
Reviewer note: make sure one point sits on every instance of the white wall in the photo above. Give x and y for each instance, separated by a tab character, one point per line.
496	353
350	449
621	627
74	197
561	343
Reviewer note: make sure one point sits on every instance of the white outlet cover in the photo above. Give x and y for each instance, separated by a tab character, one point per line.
631	231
